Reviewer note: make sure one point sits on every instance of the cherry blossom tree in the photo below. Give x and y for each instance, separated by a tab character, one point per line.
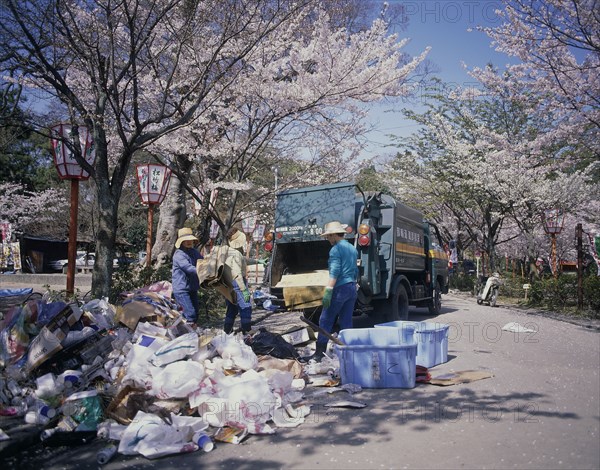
136	73
29	211
481	159
557	46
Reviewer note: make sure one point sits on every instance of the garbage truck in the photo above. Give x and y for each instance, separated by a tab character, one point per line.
399	262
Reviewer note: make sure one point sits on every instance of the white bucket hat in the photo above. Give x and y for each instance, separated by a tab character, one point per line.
238	240
184	234
334	227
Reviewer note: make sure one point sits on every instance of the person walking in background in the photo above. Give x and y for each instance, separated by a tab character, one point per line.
184	276
340	293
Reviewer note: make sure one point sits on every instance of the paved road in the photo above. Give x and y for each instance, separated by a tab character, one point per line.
540	410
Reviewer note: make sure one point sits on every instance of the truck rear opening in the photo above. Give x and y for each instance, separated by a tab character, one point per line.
299	274
299	261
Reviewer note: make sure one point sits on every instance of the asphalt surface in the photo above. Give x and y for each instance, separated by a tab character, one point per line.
541	408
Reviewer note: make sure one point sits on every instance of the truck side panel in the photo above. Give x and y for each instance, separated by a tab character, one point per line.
409	241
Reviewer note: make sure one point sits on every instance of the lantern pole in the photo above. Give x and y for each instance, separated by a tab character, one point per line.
553	255
149	238
68	168
553	224
153	183
72	248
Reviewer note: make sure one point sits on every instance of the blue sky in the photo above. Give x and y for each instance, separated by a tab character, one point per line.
444	26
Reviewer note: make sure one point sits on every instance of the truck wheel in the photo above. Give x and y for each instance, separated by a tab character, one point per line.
435	304
399	310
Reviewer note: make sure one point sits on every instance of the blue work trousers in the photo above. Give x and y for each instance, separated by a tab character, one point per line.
244	308
343	299
188	301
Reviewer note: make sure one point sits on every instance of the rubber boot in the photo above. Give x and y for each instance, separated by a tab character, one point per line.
318	355
228	327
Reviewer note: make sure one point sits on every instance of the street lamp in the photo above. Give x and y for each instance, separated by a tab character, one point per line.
153	183
62	136
553	224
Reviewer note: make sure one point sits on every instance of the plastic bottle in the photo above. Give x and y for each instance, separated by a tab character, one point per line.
45	410
47	433
105	454
204	441
33	417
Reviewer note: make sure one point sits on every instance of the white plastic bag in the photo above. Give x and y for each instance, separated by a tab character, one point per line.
175	350
177	380
151	437
232	347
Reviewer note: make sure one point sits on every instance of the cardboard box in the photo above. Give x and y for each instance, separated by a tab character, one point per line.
50	338
299	336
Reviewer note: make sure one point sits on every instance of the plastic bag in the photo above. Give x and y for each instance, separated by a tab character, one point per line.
175	350
151	437
267	343
231	347
85	408
100	312
177	380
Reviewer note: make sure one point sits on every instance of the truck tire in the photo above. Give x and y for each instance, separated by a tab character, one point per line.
399	307
435	304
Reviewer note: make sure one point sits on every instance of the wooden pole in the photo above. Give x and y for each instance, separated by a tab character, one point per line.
579	236
554	267
72	248
149	238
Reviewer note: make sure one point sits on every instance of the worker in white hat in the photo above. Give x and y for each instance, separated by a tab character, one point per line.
184	276
340	293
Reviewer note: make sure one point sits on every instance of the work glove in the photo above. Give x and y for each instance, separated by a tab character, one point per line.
246	294
327	297
263	261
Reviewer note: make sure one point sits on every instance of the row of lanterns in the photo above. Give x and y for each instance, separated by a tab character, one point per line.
153	183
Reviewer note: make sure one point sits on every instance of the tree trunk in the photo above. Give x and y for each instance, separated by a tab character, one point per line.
172	215
109	195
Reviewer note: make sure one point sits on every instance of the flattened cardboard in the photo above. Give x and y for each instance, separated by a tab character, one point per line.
460	377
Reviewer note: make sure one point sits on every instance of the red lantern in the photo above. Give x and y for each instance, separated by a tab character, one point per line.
153	183
64	159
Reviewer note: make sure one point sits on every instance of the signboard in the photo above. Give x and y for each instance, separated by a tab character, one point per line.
259	233
6	230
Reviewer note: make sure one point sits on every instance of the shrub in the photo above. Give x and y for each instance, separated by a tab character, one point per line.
561	293
462	282
591	294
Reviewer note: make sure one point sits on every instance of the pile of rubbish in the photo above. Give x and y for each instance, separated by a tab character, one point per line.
138	376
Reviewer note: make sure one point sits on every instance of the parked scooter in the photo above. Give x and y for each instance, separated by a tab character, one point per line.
488	288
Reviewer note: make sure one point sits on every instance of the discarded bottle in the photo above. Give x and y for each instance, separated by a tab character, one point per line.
204	441
103	430
46	433
105	454
34	417
45	410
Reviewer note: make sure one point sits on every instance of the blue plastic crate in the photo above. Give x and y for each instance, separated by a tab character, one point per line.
431	339
377	358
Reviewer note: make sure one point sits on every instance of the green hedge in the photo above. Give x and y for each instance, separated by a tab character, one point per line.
547	293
